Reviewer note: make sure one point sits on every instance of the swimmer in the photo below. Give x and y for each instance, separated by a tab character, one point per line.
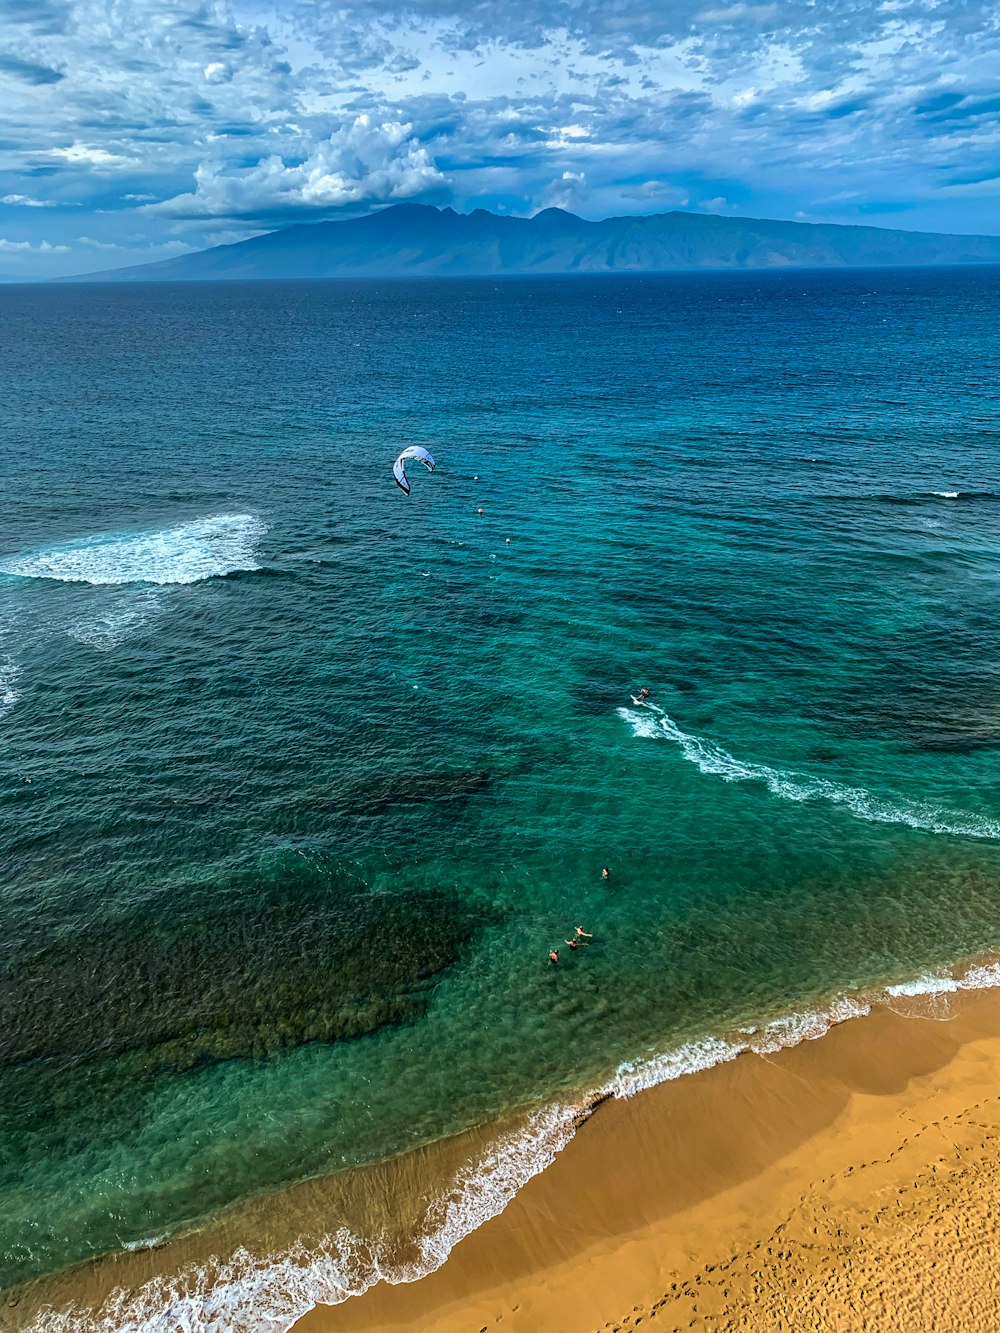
553	956
576	944
605	872
582	934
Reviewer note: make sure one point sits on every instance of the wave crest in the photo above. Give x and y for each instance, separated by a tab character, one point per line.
794	786
202	549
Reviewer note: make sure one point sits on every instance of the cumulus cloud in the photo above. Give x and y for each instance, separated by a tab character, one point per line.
361	162
136	245
568	191
29	247
84	155
26	201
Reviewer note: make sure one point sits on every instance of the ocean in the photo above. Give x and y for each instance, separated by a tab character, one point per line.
301	778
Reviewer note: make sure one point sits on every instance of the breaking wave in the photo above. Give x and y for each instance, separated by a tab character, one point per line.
794	786
203	549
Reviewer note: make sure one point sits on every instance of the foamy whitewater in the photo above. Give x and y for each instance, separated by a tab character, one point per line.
202	549
9	672
652	723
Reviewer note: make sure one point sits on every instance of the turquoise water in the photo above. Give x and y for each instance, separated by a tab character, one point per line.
300	779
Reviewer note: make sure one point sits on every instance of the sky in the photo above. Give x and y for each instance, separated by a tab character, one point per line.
135	130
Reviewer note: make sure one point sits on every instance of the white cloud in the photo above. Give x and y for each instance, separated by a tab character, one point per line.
26	201
362	162
738	13
568	191
217	72
659	192
28	247
135	246
80	154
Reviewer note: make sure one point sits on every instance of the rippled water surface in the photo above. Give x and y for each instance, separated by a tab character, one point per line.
300	778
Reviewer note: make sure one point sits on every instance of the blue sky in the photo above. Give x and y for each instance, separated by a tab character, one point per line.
138	129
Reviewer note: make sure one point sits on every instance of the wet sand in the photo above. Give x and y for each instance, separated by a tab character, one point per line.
846	1183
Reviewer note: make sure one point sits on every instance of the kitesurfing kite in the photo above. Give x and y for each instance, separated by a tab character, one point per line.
399	470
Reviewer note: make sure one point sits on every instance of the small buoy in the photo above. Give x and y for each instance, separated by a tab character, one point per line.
475	478
507	540
479	511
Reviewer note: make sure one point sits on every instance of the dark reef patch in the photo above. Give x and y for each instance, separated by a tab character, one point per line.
297	953
375	796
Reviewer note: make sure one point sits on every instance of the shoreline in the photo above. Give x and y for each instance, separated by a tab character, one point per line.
538	1203
827	1183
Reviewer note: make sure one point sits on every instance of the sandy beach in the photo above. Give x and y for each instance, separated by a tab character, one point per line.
845	1183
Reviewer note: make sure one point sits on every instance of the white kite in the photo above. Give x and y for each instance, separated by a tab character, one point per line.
399	471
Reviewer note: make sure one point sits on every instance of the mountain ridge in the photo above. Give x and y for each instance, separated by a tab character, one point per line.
419	240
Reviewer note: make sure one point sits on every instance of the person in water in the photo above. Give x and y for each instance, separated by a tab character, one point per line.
553	956
582	934
605	872
576	944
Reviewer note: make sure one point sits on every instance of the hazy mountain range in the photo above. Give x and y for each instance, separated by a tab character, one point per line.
421	241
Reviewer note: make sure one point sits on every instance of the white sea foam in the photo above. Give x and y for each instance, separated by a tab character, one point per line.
246	1293
188	553
983	976
923	985
707	1052
9	693
146	1243
794	786
484	1189
106	627
636	1075
947	495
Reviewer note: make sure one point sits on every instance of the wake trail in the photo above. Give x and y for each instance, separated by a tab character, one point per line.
791	785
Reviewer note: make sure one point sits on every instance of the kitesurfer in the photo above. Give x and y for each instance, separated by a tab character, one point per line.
643	695
418	452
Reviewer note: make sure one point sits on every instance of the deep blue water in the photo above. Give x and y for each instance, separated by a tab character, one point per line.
300	778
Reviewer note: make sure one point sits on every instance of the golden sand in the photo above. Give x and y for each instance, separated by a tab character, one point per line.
847	1183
